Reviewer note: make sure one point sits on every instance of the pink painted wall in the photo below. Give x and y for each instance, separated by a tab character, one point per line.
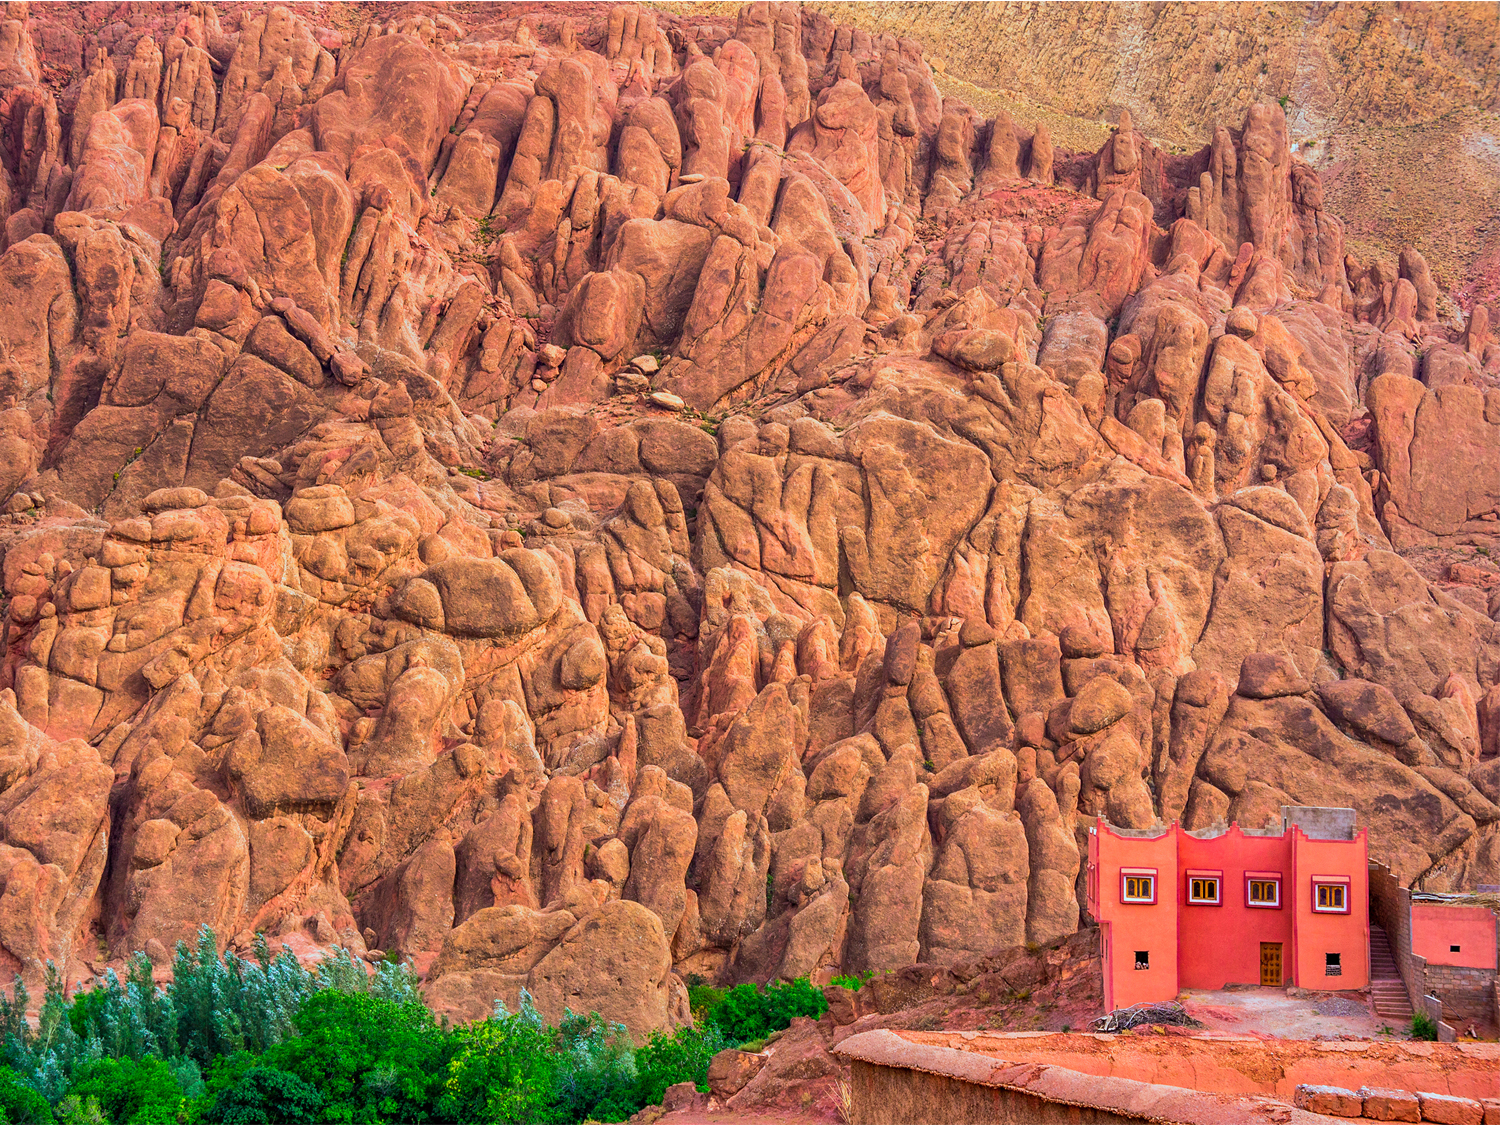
1134	926
1220	945
1318	934
1435	927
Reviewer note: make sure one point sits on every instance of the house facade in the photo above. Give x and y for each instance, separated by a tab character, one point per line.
1179	910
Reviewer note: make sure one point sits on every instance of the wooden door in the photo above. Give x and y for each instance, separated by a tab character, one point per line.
1270	963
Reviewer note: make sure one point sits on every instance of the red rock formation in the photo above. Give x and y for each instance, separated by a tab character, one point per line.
670	484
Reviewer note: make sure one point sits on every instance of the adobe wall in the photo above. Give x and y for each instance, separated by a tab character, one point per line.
1438	927
1221	944
902	1079
1242	1065
888	1095
1135	927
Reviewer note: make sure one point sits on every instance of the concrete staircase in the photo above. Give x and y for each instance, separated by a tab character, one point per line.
1386	988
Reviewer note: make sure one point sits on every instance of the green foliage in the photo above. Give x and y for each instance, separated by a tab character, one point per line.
514	1068
371	1058
189	1078
503	1070
1423	1027
231	1004
20	1104
130	1091
852	981
664	1061
596	1075
334	1043
748	1011
128	1019
703	999
81	1111
264	1094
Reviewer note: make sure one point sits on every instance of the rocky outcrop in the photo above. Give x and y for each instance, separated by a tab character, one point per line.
585	501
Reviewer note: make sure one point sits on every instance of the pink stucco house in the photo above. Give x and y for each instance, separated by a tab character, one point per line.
1178	909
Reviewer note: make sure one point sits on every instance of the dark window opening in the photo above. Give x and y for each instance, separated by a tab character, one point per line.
1453	949
1142	959
1331	965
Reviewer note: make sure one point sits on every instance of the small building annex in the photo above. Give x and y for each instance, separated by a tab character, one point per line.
1178	909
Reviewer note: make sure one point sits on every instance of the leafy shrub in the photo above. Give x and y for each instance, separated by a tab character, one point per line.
596	1072
20	1104
80	1111
215	1007
853	982
280	1042
1423	1027
751	1012
227	1004
130	1091
370	1058
667	1060
189	1077
245	1092
703	999
264	1094
503	1069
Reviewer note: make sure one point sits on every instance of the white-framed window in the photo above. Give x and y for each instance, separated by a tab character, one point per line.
1138	885
1263	890
1330	894
1205	888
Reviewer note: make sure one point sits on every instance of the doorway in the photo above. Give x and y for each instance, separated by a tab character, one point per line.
1270	964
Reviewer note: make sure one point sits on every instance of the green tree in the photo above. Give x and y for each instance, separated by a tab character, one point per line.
81	1111
130	1091
20	1104
595	1077
667	1060
747	1012
370	1058
263	1095
504	1070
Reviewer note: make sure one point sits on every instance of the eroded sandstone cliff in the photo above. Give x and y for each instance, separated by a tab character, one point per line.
578	497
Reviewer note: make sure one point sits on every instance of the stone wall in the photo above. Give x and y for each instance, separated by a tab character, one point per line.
1465	993
1390	908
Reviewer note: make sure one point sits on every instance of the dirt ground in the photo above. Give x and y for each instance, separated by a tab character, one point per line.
1270	1011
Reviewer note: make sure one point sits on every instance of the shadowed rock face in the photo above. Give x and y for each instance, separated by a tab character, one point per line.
610	482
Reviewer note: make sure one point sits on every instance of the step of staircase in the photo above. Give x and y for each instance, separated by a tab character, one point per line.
1387	991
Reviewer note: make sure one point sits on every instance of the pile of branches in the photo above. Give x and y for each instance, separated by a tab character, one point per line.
1138	1015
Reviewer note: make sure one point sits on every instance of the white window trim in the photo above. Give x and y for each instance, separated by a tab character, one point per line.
1217	877
1274	880
1138	873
